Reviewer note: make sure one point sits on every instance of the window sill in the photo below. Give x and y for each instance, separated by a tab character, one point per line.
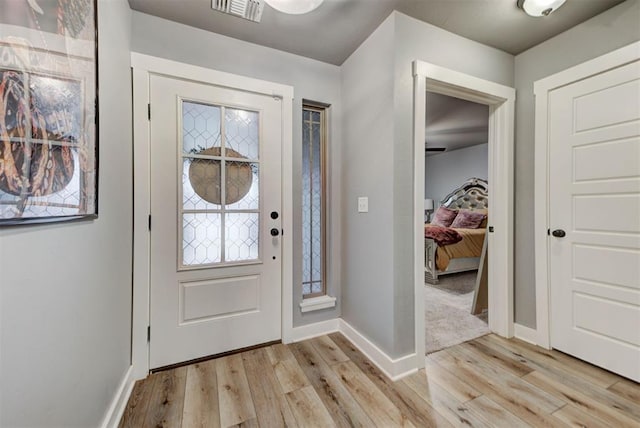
317	303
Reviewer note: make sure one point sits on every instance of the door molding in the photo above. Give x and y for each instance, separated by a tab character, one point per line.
501	102
143	66
541	89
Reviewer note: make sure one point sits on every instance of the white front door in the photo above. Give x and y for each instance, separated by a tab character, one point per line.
594	131
215	249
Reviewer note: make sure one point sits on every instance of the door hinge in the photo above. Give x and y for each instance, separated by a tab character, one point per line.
149	111
149	222
148	333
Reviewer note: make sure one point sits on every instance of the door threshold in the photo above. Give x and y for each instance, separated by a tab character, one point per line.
214	356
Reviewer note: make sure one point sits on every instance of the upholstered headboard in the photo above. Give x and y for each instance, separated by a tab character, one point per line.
472	195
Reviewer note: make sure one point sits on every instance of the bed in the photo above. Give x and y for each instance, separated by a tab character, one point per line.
466	254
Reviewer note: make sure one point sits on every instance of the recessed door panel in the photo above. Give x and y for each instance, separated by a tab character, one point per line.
594	185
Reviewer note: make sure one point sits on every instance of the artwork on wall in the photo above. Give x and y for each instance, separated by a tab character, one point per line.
48	111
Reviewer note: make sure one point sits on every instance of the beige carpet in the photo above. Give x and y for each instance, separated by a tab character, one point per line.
448	319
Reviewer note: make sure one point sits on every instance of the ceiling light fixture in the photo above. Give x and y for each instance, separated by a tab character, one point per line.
294	7
539	7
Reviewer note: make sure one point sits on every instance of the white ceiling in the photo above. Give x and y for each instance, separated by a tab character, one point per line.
454	124
334	30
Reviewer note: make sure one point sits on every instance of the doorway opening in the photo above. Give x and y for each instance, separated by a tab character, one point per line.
456	211
500	100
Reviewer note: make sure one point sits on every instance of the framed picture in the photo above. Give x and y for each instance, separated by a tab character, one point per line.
48	111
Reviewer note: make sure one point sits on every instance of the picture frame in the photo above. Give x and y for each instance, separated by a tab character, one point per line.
48	111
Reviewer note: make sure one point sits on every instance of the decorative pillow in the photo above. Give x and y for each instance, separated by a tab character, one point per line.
484	211
444	217
467	219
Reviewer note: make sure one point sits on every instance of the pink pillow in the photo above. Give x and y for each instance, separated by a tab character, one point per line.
467	219
444	217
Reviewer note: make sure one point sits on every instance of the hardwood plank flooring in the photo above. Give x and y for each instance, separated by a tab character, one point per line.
328	382
201	396
418	411
308	408
236	404
167	399
271	405
341	404
493	384
139	400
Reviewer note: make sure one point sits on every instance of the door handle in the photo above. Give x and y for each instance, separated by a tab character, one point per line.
275	232
559	233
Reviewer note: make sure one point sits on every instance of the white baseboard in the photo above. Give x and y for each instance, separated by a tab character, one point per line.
120	399
394	369
527	334
310	331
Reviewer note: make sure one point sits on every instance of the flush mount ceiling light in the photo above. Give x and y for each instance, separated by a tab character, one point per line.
539	7
294	7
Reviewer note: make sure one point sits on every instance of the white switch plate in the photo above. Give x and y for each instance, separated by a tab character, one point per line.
363	204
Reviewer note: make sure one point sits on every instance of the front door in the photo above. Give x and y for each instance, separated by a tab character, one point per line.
594	131
215	219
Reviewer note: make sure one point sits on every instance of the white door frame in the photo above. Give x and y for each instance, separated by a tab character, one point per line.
501	102
143	67
541	91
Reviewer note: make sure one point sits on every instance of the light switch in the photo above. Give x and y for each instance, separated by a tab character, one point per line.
363	204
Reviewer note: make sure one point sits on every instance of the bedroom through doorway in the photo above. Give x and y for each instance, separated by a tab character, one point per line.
456	203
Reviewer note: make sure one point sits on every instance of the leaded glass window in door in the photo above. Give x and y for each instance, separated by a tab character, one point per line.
220	224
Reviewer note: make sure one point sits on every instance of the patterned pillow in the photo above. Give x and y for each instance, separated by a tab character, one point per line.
444	217
467	219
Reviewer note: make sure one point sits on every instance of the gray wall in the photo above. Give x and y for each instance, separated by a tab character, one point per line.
417	40
66	287
367	152
311	80
446	171
608	31
378	159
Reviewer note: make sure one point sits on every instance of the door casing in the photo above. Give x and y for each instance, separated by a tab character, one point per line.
501	102
143	66
542	88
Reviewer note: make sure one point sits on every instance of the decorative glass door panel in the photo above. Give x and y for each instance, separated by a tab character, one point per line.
215	268
219	224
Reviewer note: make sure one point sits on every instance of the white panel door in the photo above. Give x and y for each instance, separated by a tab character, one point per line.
594	131
215	249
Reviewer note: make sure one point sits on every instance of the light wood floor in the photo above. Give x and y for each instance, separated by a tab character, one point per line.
325	382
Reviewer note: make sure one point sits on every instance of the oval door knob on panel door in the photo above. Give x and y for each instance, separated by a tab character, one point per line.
558	233
275	232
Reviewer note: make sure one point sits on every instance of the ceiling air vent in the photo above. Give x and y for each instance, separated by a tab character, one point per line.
247	9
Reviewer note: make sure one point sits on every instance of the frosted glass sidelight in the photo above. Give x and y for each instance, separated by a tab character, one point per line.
306	205
312	202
